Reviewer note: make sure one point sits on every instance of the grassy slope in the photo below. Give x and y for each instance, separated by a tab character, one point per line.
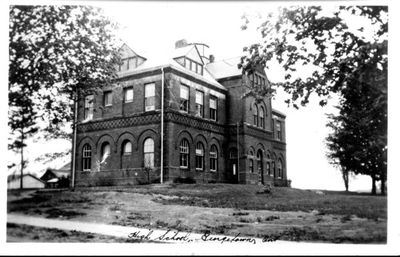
290	214
281	199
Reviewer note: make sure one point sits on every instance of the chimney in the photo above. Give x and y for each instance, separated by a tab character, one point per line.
181	43
212	58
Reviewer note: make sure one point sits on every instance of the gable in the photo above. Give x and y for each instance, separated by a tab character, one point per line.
127	52
194	55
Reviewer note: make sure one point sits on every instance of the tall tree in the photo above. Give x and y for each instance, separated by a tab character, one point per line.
56	54
323	54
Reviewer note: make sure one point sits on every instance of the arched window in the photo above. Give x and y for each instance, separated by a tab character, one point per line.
279	168
251	161
127	148
255	115
105	151
199	156
148	153
262	117
259	161
86	157
269	165
213	158
184	154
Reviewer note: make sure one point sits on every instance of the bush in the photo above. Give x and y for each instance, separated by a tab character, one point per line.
188	180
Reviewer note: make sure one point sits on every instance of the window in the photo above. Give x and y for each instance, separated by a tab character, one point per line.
213	158
279	168
269	169
105	151
199	156
184	154
184	94
128	95
187	63
127	148
278	130
148	153
251	162
273	168
89	107
149	97
213	108
107	98
86	157
255	115
193	67
200	103
262	117
259	161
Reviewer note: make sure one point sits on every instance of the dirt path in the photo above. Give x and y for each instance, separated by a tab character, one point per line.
171	236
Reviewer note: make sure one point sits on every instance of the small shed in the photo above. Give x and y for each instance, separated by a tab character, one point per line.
56	178
29	181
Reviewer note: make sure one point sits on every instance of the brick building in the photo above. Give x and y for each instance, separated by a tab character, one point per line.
211	133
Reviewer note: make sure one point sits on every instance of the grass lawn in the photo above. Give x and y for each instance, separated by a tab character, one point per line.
25	233
285	213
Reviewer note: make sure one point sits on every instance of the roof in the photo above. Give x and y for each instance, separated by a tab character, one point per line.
162	61
225	68
16	177
274	111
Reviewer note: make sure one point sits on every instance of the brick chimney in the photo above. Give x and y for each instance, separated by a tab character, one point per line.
212	58
181	43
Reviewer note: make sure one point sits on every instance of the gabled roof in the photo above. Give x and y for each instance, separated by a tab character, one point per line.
158	61
126	52
189	51
16	177
225	68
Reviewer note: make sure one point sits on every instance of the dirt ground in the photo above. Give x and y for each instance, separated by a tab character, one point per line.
155	210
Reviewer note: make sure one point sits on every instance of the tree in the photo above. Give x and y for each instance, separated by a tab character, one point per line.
334	58
56	54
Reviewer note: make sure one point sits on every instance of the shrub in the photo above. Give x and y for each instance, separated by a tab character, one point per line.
187	180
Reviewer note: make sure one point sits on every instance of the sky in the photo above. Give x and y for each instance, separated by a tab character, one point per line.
153	27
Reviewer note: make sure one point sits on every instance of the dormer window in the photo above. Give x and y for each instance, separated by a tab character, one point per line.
192	65
256	79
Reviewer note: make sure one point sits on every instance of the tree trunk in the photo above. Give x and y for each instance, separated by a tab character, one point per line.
383	186
22	160
345	176
373	191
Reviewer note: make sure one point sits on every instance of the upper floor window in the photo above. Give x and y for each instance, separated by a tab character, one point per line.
199	156
89	107
184	94
200	103
193	66
278	130
128	95
184	154
148	153
127	148
86	157
107	98
262	117
213	158
149	97
213	108
255	115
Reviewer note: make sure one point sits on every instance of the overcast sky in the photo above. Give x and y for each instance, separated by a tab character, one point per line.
152	28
